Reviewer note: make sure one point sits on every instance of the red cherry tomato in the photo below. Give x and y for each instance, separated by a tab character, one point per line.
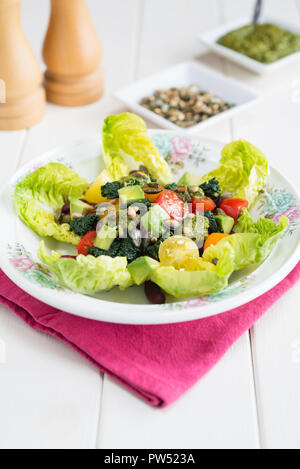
200	204
172	204
233	207
86	242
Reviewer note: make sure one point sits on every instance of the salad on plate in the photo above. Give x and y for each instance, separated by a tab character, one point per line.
135	226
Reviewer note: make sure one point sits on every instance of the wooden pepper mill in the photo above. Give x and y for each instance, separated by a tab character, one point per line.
72	53
22	102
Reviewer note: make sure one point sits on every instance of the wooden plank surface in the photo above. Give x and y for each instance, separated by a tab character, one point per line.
219	412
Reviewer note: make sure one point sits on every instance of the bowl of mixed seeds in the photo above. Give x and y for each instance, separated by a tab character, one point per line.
186	106
186	97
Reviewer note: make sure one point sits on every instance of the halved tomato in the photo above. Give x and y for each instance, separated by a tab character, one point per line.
86	242
172	204
233	207
200	204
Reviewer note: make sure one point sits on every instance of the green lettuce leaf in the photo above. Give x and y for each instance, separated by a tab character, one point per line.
184	284
267	229
252	245
49	186
242	172
126	135
87	274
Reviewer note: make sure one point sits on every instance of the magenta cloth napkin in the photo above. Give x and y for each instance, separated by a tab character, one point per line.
158	363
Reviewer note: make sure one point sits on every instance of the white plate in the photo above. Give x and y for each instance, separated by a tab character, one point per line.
18	244
210	38
182	75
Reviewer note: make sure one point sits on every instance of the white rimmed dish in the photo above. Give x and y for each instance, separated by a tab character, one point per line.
210	38
18	246
185	74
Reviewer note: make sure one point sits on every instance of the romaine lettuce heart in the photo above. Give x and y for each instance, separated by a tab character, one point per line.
50	186
126	135
242	172
87	274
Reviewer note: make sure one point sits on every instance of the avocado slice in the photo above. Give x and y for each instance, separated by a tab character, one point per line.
225	223
153	220
189	179
142	268
80	207
131	194
106	237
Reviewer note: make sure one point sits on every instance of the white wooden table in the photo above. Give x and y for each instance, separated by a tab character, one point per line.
51	397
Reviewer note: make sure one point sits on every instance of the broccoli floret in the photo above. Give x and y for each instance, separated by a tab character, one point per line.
96	252
214	226
110	189
171	187
212	189
119	248
152	249
111	252
129	250
83	225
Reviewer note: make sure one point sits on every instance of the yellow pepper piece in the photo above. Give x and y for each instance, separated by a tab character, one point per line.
93	193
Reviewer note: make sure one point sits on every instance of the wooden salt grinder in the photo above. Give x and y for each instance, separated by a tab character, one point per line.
72	53
20	74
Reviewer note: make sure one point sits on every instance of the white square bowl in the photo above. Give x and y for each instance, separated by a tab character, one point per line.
210	38
182	75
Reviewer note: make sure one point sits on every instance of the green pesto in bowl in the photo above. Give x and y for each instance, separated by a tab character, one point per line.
265	43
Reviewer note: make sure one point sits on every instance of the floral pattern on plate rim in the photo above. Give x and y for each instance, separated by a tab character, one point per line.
40	164
178	149
273	203
277	202
33	271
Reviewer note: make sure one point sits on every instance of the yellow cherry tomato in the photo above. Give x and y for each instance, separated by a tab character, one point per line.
179	252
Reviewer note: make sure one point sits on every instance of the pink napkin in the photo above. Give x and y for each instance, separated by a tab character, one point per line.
158	363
